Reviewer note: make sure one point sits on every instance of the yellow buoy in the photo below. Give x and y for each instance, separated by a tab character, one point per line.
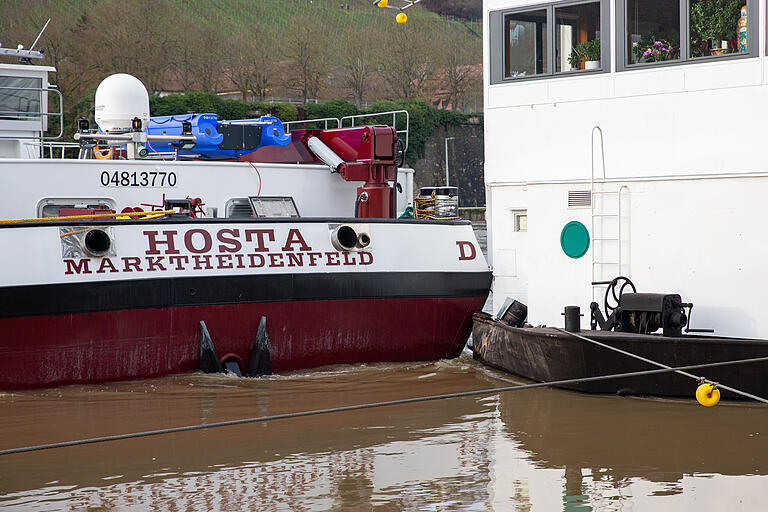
382	3
707	394
401	18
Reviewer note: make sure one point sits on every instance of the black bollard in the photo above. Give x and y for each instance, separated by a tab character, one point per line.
572	319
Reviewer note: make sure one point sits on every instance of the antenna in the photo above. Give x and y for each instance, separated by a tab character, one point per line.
25	55
40	35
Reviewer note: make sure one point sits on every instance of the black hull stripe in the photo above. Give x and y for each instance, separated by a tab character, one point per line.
69	298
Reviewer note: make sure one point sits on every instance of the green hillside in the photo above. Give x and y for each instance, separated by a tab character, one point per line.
260	51
234	16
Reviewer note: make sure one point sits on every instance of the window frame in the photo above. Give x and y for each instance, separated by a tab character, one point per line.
517	214
497	50
235	202
622	64
73	202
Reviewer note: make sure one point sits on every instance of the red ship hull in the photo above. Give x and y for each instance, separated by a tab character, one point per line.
121	343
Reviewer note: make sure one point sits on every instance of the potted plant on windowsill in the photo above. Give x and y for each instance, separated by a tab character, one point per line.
651	49
713	24
589	52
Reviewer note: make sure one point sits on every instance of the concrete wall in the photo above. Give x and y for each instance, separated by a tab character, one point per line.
465	162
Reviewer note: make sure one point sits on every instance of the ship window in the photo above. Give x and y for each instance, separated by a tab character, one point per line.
577	37
51	207
19	96
525	44
238	207
551	39
669	31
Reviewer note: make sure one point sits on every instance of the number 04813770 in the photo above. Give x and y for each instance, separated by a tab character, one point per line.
138	178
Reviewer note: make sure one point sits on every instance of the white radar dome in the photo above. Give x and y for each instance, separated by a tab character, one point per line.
120	98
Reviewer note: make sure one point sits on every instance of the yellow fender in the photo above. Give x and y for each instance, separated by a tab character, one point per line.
707	394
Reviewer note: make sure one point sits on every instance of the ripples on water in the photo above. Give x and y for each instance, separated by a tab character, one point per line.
527	450
533	450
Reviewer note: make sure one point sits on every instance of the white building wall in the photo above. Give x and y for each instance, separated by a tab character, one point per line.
689	142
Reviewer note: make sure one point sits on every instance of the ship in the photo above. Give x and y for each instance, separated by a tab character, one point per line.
134	253
623	148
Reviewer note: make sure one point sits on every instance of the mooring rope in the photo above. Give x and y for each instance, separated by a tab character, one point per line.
146	215
405	401
660	365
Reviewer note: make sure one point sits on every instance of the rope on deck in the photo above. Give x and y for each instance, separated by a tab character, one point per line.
146	215
301	414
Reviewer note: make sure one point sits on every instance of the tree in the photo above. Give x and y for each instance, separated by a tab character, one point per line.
264	76
140	44
410	61
186	52
208	58
249	67
457	74
359	63
306	51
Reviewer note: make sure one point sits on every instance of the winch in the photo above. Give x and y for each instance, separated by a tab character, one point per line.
640	313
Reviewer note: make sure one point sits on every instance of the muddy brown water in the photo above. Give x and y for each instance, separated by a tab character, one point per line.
541	449
531	450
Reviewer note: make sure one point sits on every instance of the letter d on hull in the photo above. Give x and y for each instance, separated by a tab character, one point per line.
466	250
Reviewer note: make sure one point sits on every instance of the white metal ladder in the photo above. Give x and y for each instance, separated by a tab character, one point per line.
604	257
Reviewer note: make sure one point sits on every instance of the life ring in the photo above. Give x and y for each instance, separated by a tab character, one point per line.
97	153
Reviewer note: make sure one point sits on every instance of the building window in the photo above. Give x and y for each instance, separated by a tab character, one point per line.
525	44
658	31
653	30
718	27
577	37
520	220
551	39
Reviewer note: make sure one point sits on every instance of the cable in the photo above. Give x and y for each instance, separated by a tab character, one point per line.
302	414
149	145
259	174
678	370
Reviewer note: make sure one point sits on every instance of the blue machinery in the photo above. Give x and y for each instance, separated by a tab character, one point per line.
218	140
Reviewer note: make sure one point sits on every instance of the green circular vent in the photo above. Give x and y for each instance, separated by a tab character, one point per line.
574	239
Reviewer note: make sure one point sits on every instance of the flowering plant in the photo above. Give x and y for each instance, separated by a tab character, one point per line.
658	51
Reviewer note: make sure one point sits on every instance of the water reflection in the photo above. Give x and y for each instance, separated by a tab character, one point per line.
604	453
528	451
